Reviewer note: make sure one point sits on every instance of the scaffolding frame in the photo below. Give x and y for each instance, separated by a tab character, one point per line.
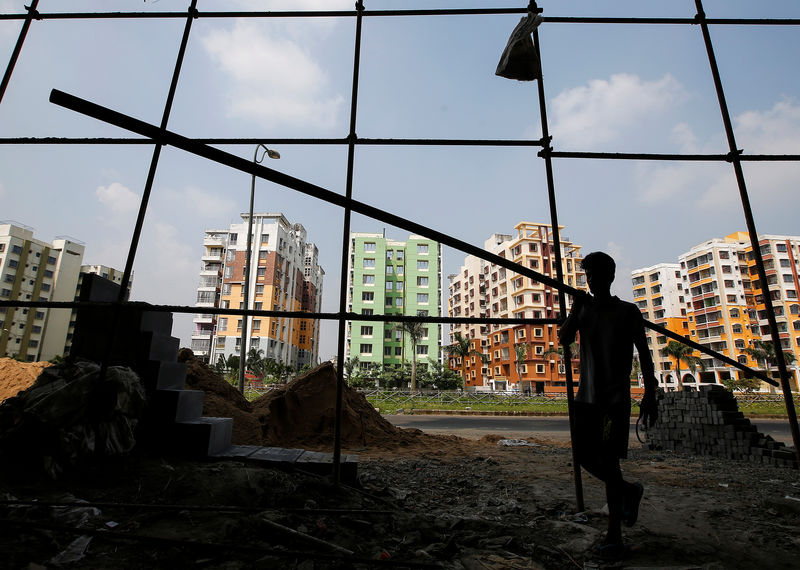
158	136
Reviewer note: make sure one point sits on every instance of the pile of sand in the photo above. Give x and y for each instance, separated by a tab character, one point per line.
300	414
17	376
304	411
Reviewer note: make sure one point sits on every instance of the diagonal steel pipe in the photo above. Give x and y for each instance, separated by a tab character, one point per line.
165	137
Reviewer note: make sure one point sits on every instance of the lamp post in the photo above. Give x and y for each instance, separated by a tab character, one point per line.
248	257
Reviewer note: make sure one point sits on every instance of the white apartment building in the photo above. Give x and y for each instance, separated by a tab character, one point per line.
34	270
658	292
285	276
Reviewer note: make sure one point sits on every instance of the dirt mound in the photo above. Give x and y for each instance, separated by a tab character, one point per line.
222	400
303	414
17	376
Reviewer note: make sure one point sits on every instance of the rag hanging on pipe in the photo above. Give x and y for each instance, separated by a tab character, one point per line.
520	60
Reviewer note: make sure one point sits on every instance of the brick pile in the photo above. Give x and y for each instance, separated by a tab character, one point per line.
708	422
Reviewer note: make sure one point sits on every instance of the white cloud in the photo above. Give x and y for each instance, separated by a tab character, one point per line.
713	186
118	198
274	80
201	203
602	110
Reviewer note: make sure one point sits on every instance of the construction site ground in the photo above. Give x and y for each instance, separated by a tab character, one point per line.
422	500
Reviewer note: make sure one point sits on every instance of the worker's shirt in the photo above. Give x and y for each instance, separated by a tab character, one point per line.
607	331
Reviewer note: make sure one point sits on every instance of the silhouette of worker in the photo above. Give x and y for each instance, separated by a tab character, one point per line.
609	329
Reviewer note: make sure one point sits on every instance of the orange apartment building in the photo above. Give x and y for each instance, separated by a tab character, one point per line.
722	305
482	289
285	277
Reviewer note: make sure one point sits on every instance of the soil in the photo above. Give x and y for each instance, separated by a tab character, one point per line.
423	501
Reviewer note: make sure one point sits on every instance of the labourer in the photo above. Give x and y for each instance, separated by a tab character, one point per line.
609	329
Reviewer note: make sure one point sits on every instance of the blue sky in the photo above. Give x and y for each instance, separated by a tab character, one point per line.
609	88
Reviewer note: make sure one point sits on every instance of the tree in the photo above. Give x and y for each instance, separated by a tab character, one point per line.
520	352
559	351
220	365
746	385
680	351
763	351
439	376
351	367
462	348
255	362
415	330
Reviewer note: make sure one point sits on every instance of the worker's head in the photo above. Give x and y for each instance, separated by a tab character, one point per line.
600	269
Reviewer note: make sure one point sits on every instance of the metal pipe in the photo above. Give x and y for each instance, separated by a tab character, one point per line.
562	298
343	286
167	137
23	33
751	230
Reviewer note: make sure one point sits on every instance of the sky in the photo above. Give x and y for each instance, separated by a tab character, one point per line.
610	88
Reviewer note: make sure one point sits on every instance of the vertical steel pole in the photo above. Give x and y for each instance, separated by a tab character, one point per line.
751	229
562	303
246	283
151	173
12	62
351	149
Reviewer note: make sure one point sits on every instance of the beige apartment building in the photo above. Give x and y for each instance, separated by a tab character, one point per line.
482	289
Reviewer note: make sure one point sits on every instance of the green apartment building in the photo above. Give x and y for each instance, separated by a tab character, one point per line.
388	277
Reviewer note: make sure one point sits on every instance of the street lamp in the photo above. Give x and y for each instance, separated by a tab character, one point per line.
248	256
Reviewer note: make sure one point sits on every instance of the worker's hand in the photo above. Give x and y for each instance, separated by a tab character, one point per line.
648	409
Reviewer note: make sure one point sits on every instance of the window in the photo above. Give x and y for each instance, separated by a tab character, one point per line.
422	248
233	238
537	332
425	332
422	298
262	255
16	249
398	302
369	263
538	349
399	254
780	247
422	349
398	351
257	325
369	246
387	334
366	331
368	296
264	238
422	281
389	270
389	253
729	283
398	285
239	324
51	260
222	324
48	273
399	269
45	286
261	271
366	311
365	348
540	369
422	313
387	350
39	315
389	285
389	300
368	280
422	265
259	289
13	263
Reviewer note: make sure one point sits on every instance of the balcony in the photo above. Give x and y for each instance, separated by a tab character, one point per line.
203	318
211	257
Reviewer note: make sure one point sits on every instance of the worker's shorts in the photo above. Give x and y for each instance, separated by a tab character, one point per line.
601	432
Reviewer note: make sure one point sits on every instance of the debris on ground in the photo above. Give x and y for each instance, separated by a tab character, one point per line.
423	502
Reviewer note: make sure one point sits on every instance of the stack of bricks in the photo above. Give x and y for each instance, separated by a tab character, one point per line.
708	422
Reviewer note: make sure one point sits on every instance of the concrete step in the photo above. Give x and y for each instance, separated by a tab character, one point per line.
156	322
158	375
202	437
292	458
158	346
168	406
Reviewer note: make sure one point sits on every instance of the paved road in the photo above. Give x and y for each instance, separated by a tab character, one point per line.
554	428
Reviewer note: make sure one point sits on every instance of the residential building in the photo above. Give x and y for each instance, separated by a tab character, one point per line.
285	276
658	292
390	277
35	270
483	289
723	304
